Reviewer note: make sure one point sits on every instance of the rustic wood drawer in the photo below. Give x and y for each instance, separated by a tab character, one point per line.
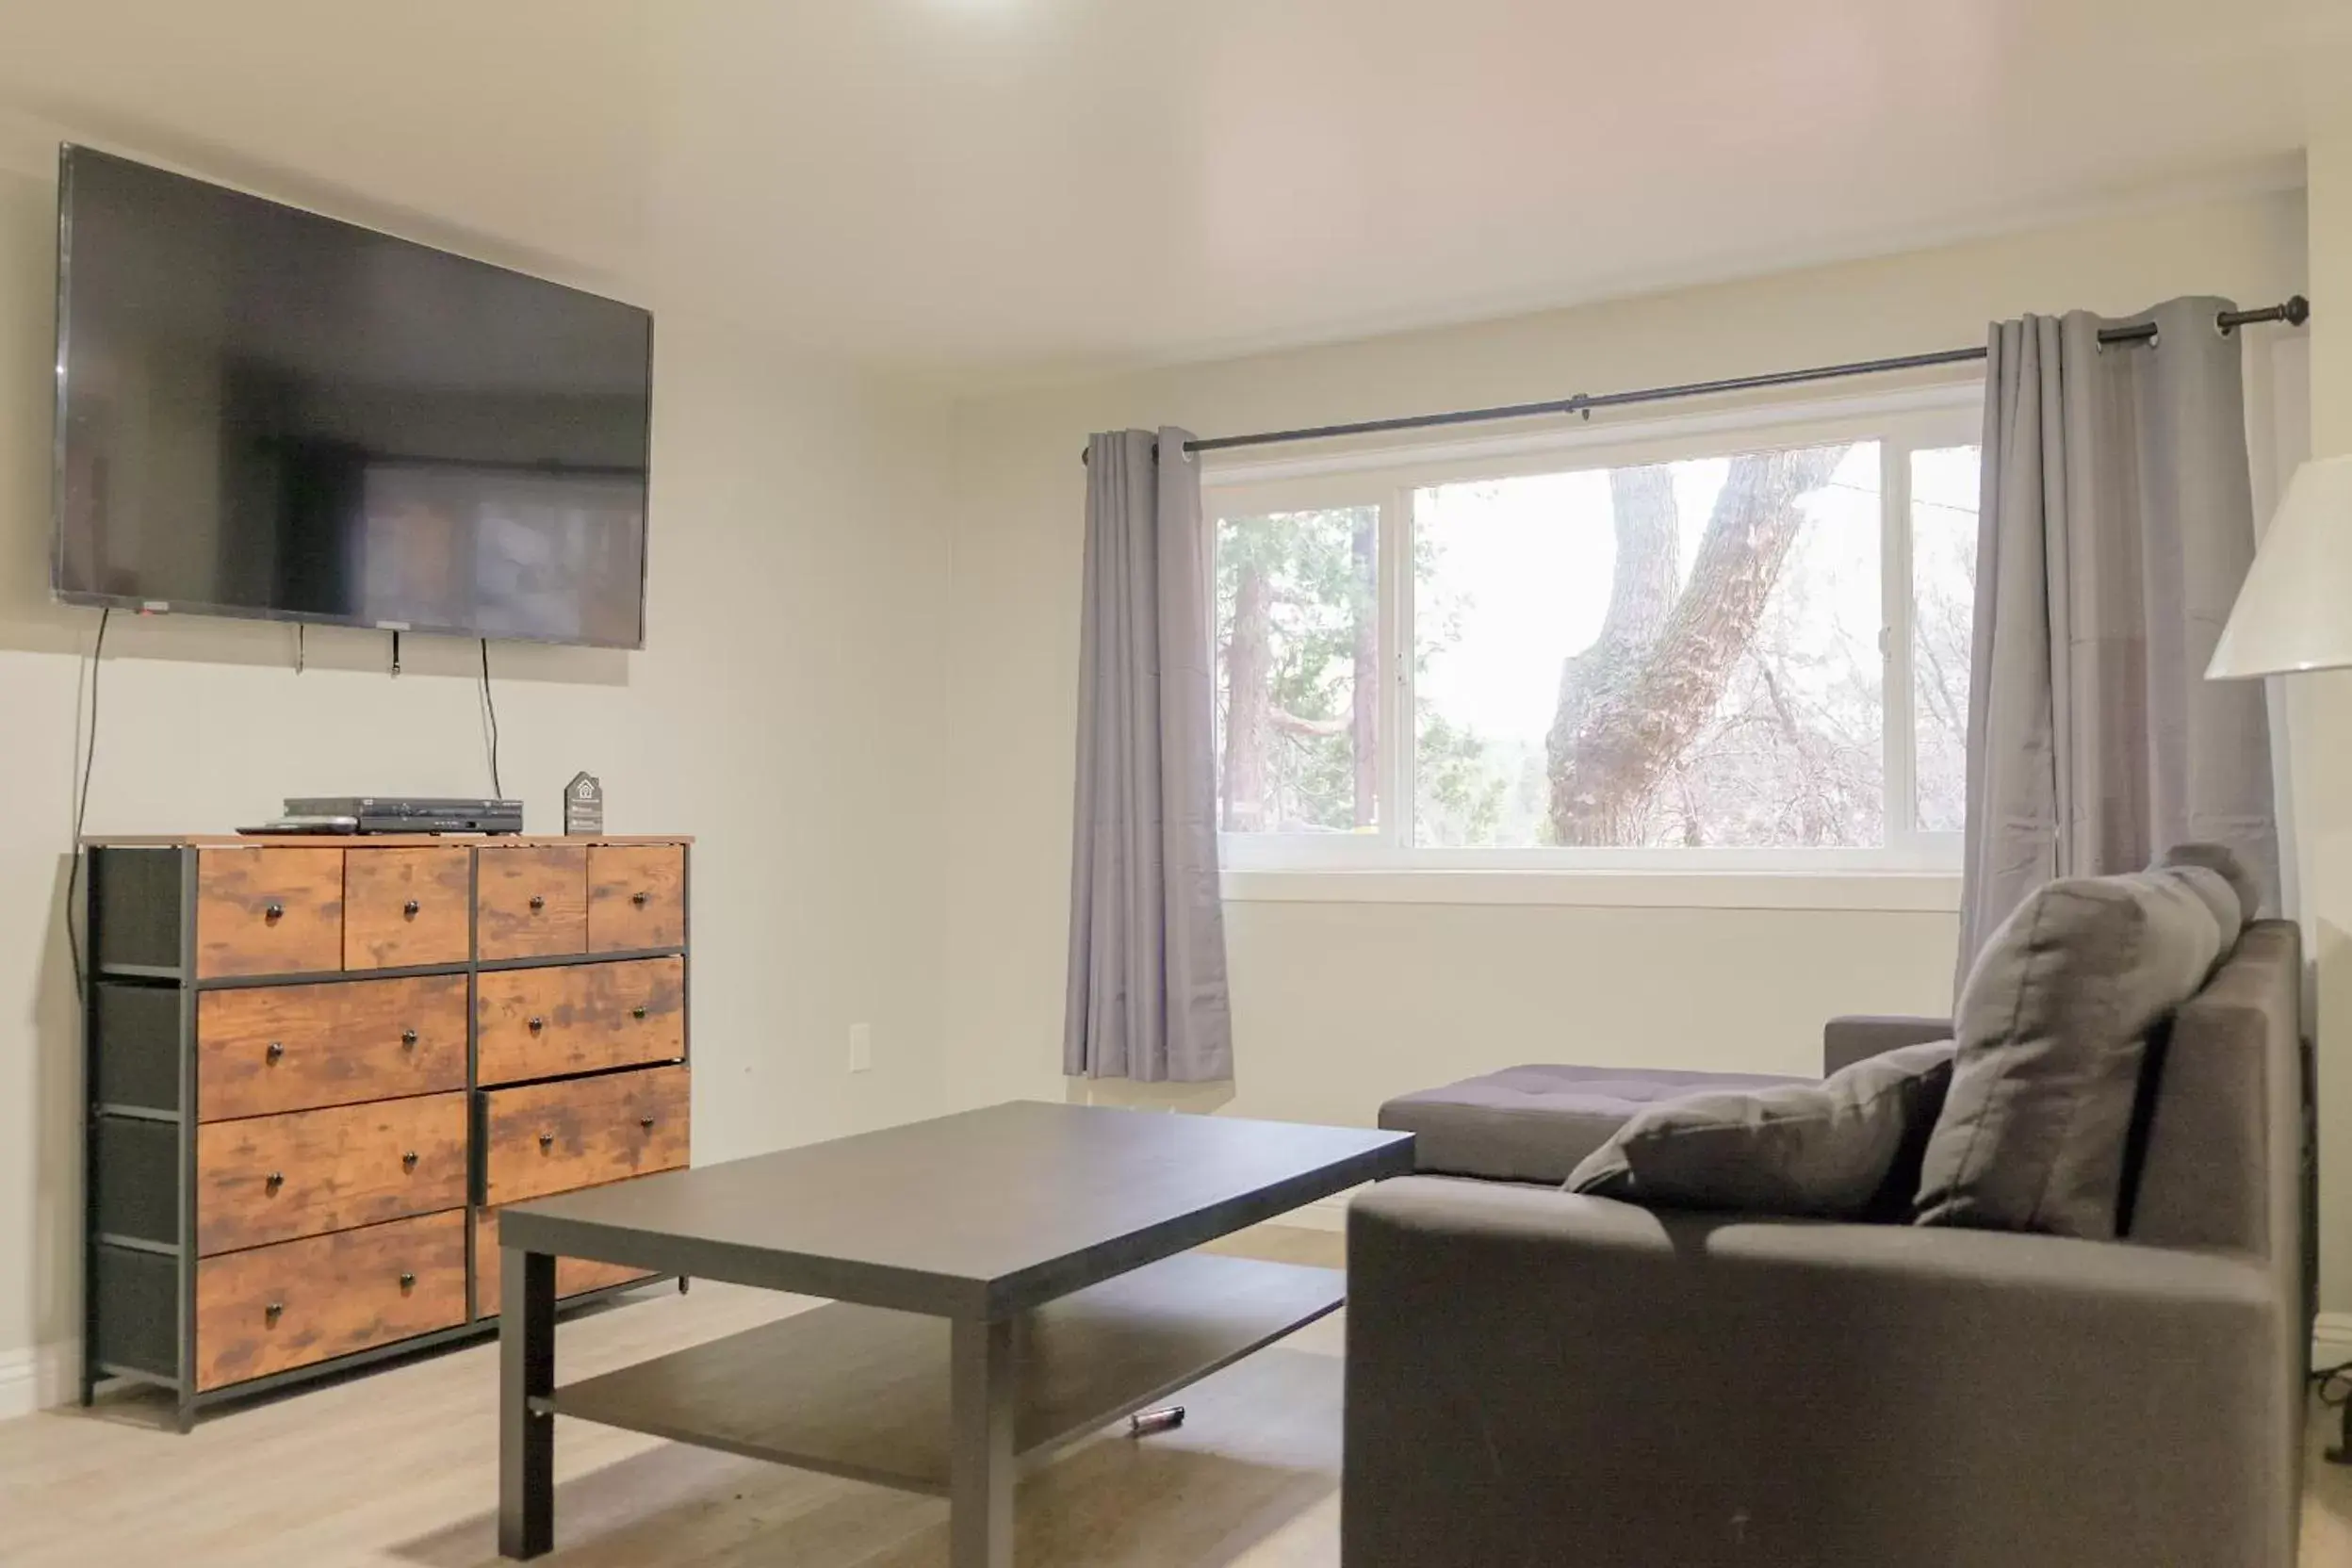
262	1050
273	1178
580	1131
407	906
269	912
264	1309
577	1017
530	901
636	897
573	1276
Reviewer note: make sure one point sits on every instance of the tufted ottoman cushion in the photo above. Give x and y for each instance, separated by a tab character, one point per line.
1534	1123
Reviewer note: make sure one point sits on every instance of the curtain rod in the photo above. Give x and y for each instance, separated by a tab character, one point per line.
2295	312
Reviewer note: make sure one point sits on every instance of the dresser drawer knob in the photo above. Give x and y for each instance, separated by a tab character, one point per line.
640	898
273	1311
537	903
409	908
408	1038
272	1182
537	1023
546	1141
408	1281
276	1051
408	1161
638	1011
272	910
647	1122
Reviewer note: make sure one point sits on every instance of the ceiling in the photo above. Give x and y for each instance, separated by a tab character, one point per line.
992	189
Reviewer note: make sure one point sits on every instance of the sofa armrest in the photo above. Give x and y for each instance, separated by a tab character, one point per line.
1861	1035
1530	1367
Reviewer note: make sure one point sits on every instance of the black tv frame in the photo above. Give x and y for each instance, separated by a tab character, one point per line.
96	599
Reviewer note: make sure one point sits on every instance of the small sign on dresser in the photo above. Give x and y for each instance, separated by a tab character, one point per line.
583	806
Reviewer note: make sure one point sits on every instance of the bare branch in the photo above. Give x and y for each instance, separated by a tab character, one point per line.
1291	723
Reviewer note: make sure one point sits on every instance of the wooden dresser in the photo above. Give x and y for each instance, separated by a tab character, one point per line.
318	1066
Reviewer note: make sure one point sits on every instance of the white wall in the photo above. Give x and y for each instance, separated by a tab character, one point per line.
1340	1004
2322	709
787	711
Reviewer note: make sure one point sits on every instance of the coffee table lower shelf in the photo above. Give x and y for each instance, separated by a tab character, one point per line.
862	1392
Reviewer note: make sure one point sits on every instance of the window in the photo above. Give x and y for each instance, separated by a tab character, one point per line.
1943	610
1298	639
1673	647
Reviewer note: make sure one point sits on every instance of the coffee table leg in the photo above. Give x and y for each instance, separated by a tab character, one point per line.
980	1488
526	1373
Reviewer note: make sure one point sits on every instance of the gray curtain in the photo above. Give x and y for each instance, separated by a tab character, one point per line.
1147	928
2117	524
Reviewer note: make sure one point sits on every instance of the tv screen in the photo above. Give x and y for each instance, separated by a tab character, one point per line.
264	412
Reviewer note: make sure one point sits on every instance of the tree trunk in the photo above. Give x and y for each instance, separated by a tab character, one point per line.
1365	729
1619	734
1642	584
1249	702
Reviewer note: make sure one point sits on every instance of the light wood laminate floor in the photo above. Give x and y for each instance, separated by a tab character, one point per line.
398	1470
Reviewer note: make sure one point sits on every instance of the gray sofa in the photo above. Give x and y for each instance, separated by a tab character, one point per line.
1541	1377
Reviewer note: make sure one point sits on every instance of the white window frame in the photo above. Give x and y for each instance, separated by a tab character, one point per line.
1916	870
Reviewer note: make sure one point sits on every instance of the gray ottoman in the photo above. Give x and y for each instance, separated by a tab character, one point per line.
1534	1123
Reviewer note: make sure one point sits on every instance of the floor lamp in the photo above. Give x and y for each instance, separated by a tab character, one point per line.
2294	615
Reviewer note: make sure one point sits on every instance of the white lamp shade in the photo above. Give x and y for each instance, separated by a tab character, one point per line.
2294	612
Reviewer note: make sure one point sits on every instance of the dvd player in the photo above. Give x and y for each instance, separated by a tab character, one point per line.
412	814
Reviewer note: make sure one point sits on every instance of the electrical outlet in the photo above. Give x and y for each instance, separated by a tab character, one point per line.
860	1047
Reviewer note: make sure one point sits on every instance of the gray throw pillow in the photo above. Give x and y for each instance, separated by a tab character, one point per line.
1846	1148
2053	1026
2246	894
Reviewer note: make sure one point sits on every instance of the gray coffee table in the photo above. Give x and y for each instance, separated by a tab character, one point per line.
1003	1282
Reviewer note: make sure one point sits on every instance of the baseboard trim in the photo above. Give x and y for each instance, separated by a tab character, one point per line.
1330	1214
40	1377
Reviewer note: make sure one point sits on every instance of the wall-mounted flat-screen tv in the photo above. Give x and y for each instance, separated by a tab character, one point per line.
264	412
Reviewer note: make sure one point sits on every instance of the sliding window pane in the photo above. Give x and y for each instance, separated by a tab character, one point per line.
1943	609
1673	655
1298	661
